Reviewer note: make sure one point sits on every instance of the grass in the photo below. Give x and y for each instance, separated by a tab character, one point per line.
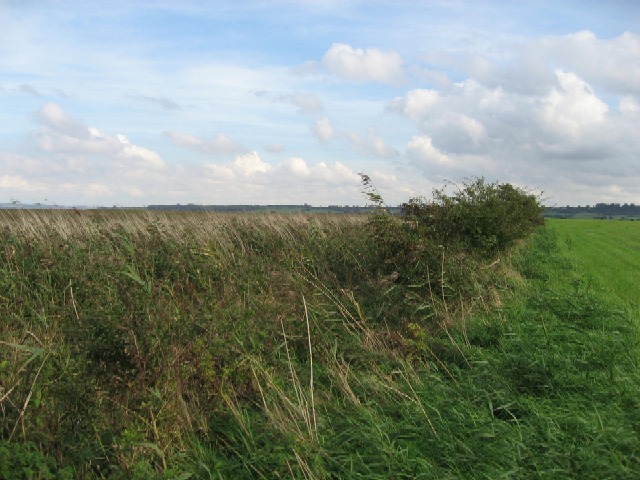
609	251
156	345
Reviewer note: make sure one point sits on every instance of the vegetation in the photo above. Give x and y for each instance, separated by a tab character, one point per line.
628	211
478	217
139	344
609	251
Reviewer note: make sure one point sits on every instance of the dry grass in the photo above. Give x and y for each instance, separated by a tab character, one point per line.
205	226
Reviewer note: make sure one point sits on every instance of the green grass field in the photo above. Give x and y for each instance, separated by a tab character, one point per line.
608	250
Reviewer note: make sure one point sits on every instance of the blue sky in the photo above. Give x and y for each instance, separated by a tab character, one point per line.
146	102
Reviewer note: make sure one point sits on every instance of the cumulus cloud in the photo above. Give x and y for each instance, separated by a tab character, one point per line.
564	131
246	165
61	133
420	149
571	106
364	65
148	157
528	68
54	117
416	104
612	63
292	181
82	165
297	166
372	144
335	173
323	130
250	164
219	145
473	117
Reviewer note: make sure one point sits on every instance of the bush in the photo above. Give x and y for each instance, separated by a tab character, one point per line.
24	461
484	218
436	251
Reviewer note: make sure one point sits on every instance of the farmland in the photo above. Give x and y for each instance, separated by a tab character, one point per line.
206	345
609	251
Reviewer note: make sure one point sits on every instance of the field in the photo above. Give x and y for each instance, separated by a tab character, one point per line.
201	345
609	251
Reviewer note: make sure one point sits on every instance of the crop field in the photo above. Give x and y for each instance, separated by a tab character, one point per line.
466	344
608	250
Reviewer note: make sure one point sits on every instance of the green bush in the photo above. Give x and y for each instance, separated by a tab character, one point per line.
437	251
24	461
484	218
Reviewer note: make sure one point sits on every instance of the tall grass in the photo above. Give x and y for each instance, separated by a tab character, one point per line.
157	345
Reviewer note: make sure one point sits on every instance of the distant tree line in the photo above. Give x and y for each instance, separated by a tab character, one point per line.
599	210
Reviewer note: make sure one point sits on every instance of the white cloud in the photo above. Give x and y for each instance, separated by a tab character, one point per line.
250	164
458	133
220	173
364	65
473	128
61	133
297	166
612	63
571	106
523	136
421	149
416	104
148	158
373	144
54	117
306	102
243	166
628	105
292	181
323	130
19	183
220	144
336	173
527	68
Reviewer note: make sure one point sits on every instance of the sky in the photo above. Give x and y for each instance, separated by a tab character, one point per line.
139	102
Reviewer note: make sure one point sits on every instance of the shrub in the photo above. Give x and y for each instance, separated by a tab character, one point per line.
484	218
24	461
436	250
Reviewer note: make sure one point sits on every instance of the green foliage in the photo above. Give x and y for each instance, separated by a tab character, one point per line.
273	346
23	461
436	252
480	217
